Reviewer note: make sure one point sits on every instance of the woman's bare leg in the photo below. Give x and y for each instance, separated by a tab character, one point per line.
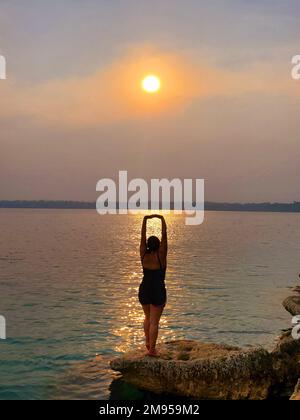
146	309
155	314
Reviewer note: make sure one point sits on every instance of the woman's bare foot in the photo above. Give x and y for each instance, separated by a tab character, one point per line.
152	353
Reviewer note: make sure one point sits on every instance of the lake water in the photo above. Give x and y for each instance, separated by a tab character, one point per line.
69	281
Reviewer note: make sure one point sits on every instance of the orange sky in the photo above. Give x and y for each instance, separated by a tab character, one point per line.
73	111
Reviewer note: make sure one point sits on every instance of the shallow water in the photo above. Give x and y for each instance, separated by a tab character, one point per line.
69	281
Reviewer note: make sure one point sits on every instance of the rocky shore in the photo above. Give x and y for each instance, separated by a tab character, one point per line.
296	394
211	371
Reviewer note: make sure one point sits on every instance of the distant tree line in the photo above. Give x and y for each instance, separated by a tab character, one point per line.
44	204
272	207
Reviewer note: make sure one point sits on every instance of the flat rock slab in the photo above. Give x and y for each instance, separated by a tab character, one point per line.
292	305
296	394
200	370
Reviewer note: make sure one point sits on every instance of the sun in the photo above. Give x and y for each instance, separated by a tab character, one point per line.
151	83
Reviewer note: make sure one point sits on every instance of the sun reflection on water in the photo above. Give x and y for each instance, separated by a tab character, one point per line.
130	317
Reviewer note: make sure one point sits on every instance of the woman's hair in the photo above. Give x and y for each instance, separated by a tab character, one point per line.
153	243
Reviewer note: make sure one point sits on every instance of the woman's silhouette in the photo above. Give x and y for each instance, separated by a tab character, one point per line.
152	291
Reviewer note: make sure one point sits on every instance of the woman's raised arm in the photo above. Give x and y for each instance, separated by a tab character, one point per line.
143	245
164	237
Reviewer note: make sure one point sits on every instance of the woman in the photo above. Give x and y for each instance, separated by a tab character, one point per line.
152	291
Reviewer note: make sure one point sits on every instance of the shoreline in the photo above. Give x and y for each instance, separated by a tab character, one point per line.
208	206
194	369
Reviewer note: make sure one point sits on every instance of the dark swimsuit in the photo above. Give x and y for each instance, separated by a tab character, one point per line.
152	289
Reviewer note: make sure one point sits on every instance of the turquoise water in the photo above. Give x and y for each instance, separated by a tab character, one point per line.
69	280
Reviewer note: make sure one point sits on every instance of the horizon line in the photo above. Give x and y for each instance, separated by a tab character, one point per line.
172	202
292	207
